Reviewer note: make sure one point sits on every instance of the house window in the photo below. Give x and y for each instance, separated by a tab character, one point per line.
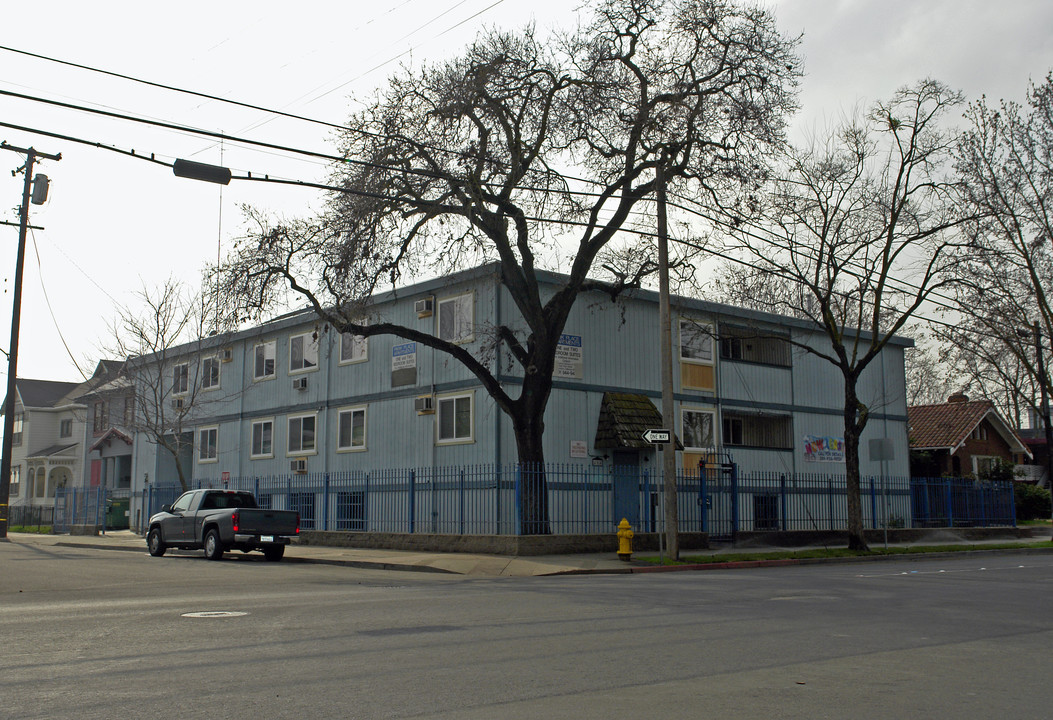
207	444
16	428
210	373
16	480
753	346
979	433
455	318
984	464
303	352
98	416
696	341
66	428
301	434
353	348
181	379
351	429
262	439
263	367
129	409
758	431
455	418
698	429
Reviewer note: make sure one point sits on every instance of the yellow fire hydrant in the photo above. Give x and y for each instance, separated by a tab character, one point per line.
625	540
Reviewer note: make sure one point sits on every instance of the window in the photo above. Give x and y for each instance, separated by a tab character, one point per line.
98	416
263	366
303	503
353	348
698	429
181	379
303	352
129	409
210	373
262	439
66	428
984	464
758	430
301	434
16	428
752	345
183	503
696	341
351	429
207	442
39	484
351	510
16	480
455	418
455	318
979	433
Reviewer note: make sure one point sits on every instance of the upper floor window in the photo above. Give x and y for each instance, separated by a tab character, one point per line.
302	434
696	341
979	432
99	417
16	480
455	418
66	428
263	366
756	430
353	348
351	429
698	429
208	444
16	429
181	379
456	318
753	346
210	373
303	352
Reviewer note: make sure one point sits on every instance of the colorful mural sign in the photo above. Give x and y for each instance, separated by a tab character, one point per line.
824	449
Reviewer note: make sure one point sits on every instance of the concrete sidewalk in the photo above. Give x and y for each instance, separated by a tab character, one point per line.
497	565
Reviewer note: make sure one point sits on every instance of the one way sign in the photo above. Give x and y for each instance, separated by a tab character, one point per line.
657	437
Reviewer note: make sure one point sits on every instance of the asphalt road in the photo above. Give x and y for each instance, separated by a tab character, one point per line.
95	634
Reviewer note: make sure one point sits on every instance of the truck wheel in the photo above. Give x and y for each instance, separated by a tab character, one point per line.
273	553
155	542
213	546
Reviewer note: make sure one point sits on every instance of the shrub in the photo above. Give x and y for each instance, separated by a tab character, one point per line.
1032	502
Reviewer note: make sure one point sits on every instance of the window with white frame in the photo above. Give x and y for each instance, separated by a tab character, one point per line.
455	418
181	379
210	373
302	434
262	439
696	341
208	444
456	318
65	428
16	429
16	481
303	352
697	430
353	348
984	464
263	365
351	429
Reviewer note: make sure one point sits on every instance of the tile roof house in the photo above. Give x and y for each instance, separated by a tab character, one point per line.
959	437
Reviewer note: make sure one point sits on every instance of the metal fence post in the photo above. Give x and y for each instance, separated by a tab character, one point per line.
950	502
413	501
873	505
782	495
734	504
460	503
325	501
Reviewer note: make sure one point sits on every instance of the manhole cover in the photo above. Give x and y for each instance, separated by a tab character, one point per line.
214	614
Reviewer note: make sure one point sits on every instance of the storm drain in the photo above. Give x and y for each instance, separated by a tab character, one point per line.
214	614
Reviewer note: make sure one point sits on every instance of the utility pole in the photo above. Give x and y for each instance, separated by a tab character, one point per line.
16	311
672	514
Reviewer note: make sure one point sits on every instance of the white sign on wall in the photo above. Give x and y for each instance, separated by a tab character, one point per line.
569	358
404	356
579	449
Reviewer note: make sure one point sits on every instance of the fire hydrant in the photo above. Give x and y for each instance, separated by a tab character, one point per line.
625	541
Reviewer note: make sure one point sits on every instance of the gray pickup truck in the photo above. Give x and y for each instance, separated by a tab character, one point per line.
221	520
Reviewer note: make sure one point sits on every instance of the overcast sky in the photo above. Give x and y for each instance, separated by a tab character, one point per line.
113	224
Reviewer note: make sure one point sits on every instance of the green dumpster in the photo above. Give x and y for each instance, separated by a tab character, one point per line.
117	514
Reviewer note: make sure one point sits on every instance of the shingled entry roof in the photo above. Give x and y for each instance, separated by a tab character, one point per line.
947	425
624	418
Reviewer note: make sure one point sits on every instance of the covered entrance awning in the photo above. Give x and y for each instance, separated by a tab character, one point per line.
624	418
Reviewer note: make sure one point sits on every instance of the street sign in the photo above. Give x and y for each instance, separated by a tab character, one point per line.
658	437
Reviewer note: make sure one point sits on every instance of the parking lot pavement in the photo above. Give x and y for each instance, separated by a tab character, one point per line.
481	565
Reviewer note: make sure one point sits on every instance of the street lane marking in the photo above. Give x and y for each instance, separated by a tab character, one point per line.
214	614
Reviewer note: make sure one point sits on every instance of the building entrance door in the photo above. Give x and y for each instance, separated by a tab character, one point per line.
626	481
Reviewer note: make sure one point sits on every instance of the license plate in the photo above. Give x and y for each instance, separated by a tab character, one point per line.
266	538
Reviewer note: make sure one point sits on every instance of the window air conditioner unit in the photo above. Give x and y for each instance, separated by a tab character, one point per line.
178	403
424	307
228	354
424	404
299	466
299	383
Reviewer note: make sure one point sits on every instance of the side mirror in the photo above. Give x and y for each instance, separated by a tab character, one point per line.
166	508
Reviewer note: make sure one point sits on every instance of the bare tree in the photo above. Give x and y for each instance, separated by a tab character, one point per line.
859	235
1005	282
162	338
534	152
930	376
